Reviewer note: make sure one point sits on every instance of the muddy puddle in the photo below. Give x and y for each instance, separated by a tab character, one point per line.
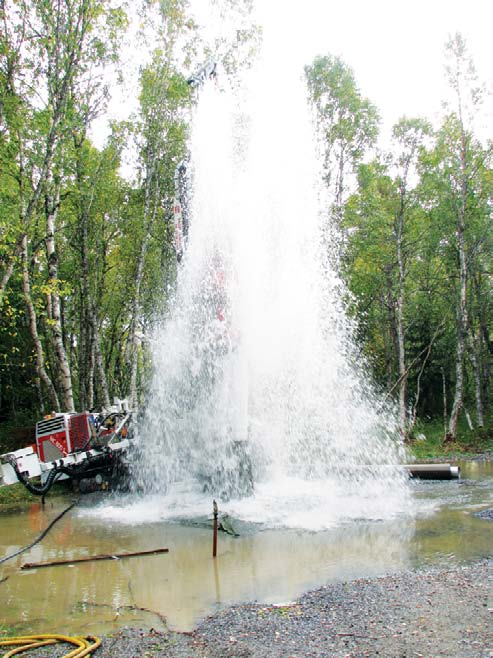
186	584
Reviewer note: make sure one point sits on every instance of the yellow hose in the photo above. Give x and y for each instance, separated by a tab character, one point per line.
26	647
84	645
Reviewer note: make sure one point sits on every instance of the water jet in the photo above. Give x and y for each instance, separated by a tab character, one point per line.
257	382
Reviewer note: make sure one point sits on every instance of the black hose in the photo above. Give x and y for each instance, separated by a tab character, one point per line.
41	536
76	472
33	488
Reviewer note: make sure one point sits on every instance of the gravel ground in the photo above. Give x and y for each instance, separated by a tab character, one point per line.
426	613
486	456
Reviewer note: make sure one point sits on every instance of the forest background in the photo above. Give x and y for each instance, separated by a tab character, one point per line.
87	263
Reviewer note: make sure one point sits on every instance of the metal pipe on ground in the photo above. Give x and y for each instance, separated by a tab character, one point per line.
433	471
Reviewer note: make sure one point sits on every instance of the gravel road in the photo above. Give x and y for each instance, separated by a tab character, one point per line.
424	613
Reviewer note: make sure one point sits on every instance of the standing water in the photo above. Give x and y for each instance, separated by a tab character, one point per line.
257	398
257	395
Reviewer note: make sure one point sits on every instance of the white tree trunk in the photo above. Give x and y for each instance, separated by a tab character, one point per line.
33	328
477	383
462	323
65	377
400	322
134	340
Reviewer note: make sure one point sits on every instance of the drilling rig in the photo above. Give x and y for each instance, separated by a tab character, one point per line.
88	448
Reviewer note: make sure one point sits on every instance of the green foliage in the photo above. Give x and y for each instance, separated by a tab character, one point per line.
348	122
346	116
17	371
428	443
398	212
427	199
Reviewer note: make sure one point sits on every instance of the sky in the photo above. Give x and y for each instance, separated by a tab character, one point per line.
395	48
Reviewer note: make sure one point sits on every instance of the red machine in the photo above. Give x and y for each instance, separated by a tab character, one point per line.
59	435
79	446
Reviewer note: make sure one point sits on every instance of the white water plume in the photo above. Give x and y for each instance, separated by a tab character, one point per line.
256	388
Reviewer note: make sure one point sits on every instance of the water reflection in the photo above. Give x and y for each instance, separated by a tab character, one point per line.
186	584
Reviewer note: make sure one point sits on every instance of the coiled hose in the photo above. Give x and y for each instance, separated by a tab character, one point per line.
85	646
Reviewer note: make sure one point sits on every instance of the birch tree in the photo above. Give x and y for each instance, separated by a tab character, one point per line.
161	135
460	171
347	122
54	57
408	136
164	93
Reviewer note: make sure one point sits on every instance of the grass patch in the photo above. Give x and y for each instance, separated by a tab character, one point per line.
10	631
428	441
15	496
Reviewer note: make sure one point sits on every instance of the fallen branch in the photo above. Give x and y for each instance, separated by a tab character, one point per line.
92	558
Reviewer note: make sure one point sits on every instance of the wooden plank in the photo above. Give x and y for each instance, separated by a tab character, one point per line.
92	558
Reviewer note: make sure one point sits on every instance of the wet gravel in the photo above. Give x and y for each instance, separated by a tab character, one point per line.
412	614
485	514
482	456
